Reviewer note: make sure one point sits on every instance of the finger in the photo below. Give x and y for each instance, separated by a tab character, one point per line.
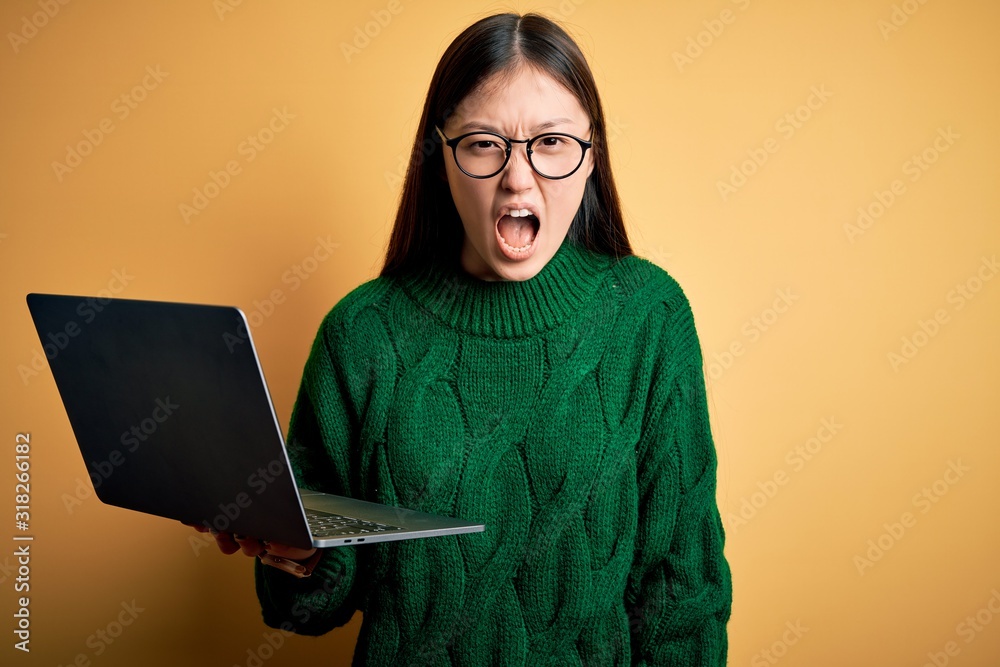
226	543
250	546
285	551
201	528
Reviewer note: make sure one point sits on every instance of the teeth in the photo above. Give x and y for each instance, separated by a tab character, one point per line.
520	213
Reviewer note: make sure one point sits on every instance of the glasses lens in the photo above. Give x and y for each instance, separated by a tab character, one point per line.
481	154
555	155
552	155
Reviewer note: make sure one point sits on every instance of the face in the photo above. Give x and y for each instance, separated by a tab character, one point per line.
498	246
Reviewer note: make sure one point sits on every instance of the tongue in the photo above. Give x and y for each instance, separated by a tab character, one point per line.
518	232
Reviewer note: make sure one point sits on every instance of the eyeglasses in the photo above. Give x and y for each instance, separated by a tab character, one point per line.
553	155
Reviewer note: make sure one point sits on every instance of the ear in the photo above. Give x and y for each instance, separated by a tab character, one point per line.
441	168
440	148
591	160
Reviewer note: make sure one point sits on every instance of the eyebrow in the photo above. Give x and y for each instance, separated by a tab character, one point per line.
476	125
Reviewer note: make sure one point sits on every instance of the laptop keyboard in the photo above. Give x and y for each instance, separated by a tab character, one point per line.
325	524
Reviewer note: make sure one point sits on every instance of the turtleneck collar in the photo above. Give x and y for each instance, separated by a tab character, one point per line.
509	308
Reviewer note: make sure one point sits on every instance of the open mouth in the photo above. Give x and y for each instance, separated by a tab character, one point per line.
518	230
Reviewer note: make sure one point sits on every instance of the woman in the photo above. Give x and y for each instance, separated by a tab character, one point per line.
514	364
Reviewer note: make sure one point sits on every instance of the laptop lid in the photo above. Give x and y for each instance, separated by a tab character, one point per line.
171	412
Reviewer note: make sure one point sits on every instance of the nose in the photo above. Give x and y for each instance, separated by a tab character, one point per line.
518	174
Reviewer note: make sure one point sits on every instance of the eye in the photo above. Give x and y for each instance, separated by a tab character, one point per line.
482	143
553	144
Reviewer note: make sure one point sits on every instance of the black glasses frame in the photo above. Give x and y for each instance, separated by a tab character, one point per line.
509	144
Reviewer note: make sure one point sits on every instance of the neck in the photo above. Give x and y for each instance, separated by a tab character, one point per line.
510	309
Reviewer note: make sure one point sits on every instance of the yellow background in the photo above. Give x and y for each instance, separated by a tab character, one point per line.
679	128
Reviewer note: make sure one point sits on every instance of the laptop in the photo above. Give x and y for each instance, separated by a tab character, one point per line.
172	415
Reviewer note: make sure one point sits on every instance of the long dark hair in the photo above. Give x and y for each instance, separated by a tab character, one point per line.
427	226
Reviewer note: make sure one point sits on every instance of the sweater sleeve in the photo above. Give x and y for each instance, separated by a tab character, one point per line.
321	434
680	587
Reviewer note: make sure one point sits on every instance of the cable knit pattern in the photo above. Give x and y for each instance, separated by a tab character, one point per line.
567	413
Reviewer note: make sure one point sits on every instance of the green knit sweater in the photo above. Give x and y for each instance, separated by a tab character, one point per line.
567	413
